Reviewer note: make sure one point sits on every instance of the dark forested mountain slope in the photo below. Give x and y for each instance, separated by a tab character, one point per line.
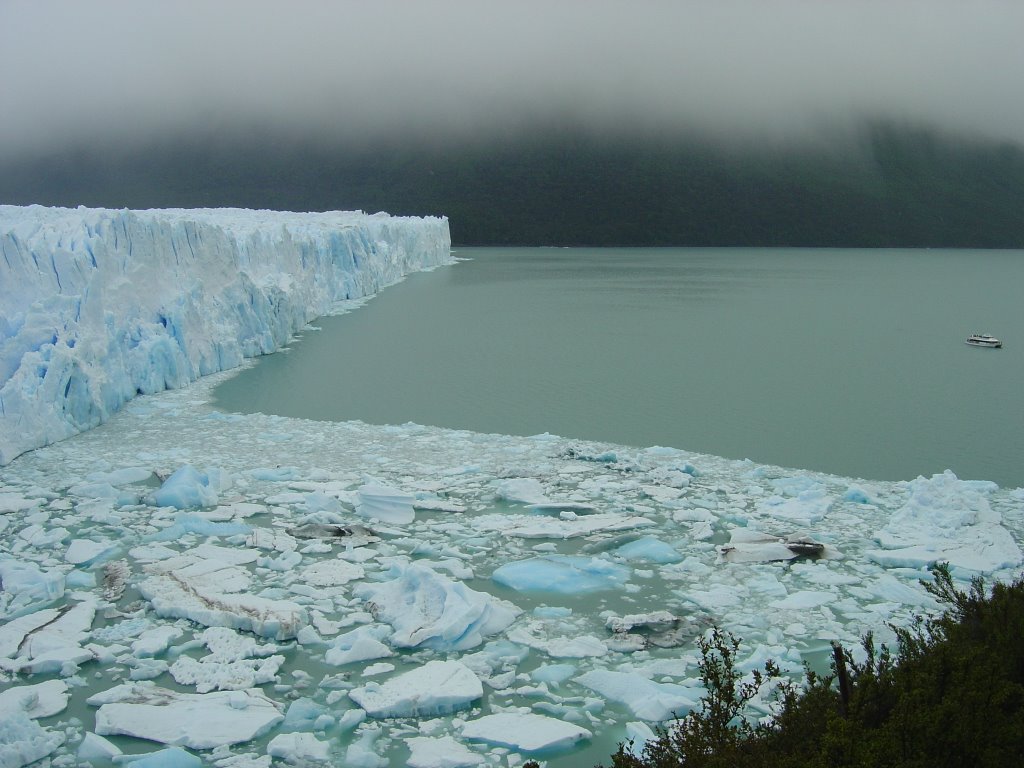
894	185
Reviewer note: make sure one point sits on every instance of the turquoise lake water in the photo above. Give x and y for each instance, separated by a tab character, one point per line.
845	361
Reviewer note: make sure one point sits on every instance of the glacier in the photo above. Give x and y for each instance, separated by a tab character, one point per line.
99	306
247	589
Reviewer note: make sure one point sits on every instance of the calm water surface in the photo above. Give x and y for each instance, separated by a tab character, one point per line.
847	361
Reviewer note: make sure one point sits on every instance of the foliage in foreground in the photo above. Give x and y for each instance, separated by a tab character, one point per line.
952	696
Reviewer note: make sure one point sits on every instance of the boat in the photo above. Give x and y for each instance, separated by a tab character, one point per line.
983	340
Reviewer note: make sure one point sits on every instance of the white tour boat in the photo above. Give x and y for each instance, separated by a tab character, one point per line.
983	340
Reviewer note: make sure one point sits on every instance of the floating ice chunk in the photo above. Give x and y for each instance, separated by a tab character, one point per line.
239	674
193	720
55	647
155	641
229	665
26	584
523	490
659	628
429	610
39	700
568	527
361	754
577	647
330	573
86	551
525	732
172	757
650	549
442	752
646	699
389	505
24	741
808	506
563	574
857	495
804	600
947	519
752	546
436	688
187	488
211	593
362	644
299	748
553	673
95	749
15	502
637	736
14	632
185	523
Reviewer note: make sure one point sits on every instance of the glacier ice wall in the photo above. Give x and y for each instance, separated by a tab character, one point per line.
98	306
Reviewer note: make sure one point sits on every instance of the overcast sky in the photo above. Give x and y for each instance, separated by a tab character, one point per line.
83	72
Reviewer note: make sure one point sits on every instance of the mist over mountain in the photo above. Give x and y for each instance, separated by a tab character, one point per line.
886	184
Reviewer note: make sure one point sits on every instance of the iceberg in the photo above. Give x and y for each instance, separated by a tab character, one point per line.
525	732
436	688
193	720
98	306
429	610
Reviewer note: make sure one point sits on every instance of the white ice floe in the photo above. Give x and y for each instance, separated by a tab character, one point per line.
645	698
52	647
569	526
24	741
525	732
950	520
429	610
40	700
193	720
748	545
235	662
389	505
440	752
214	594
564	574
436	688
301	748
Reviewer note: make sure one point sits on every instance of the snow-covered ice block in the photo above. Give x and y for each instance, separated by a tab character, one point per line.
172	757
24	741
650	549
299	748
440	752
39	700
563	574
187	488
389	505
436	688
193	720
96	749
947	519
211	593
645	698
362	644
569	526
429	610
525	732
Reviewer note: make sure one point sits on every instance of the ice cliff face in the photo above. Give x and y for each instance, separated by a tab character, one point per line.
97	306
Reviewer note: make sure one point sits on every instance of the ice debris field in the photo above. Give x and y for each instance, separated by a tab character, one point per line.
184	587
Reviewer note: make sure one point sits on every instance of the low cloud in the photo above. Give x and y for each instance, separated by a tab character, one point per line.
112	72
